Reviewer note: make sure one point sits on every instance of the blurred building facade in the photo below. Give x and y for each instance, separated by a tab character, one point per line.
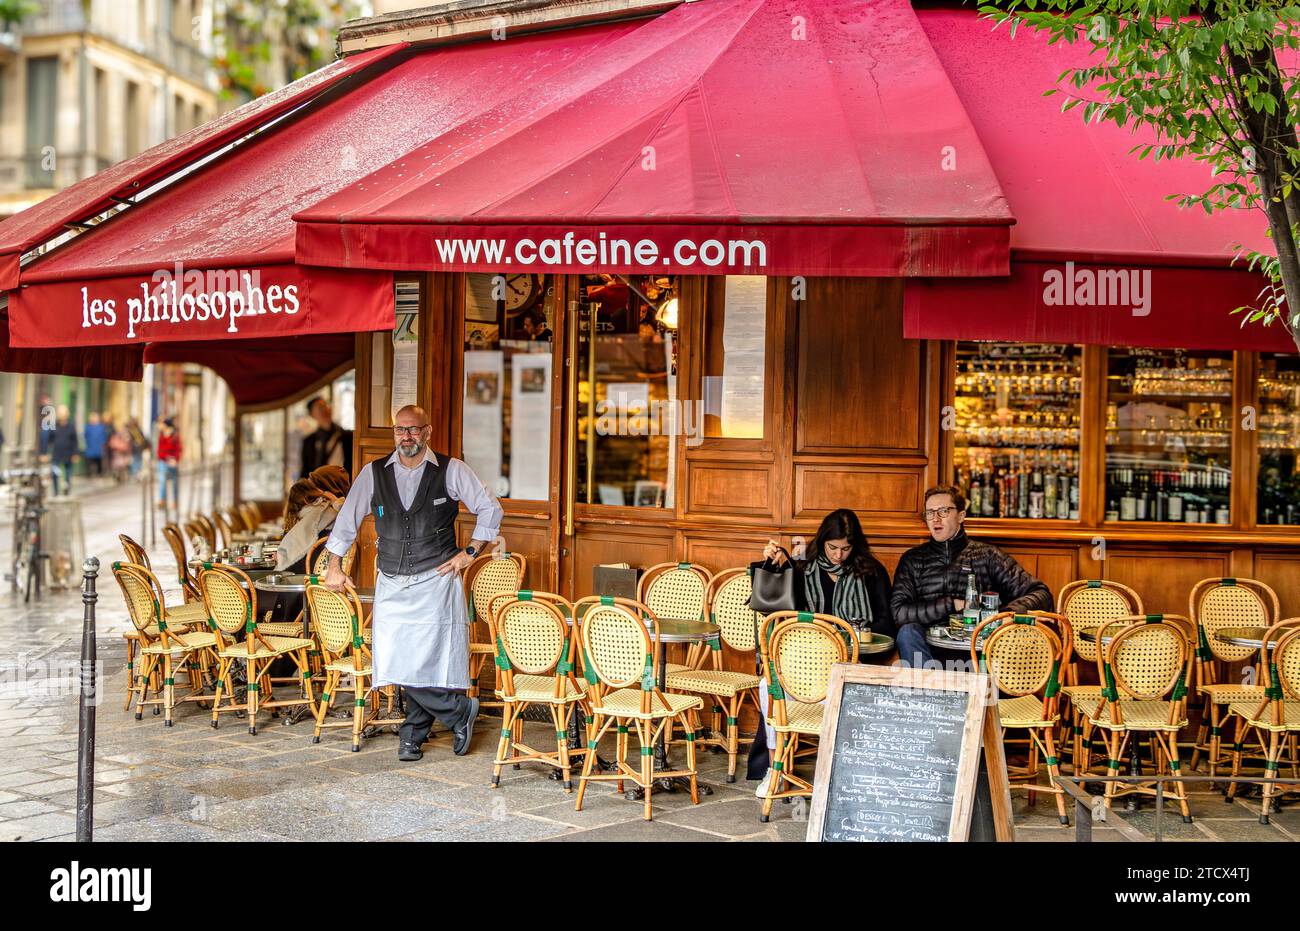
87	83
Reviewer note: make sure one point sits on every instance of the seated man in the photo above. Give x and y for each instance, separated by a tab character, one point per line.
930	582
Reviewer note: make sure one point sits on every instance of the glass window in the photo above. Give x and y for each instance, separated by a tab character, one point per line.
395	362
261	461
506	415
1016	429
1279	439
629	418
735	342
1169	436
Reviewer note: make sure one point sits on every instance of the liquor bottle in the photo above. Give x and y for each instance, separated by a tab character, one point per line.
971	612
988	504
1049	493
976	497
1112	509
1127	501
1143	496
1074	496
1175	502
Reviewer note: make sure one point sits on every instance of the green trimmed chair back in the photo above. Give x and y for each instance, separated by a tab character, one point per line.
1022	654
533	635
803	647
142	595
1149	658
675	589
490	575
728	605
337	619
617	647
230	607
1219	603
1095	603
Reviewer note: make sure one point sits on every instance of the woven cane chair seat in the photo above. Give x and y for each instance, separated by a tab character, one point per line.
1081	693
802	718
626	703
1138	715
711	681
274	646
279	629
181	643
542	689
193	613
1222	693
347	666
151	632
1262	717
1024	711
670	668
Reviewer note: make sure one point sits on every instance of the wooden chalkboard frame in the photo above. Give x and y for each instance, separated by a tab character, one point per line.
982	729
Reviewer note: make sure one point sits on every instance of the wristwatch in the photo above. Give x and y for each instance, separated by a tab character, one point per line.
471	550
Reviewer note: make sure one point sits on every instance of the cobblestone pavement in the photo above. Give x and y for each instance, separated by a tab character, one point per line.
191	782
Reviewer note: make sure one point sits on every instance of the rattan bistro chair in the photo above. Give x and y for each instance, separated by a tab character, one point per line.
536	649
207	528
164	650
337	621
677	590
1146	671
251	515
1023	656
226	524
489	575
798	649
1216	604
727	604
1276	712
1087	604
620	658
176	540
234	609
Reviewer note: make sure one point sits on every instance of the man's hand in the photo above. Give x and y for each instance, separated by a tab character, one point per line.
336	579
456	564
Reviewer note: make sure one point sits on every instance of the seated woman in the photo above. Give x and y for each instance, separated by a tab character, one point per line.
333	480
840	577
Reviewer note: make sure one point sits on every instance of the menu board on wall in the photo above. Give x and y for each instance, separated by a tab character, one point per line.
530	425
744	333
900	757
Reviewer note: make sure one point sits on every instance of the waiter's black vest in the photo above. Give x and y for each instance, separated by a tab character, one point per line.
423	537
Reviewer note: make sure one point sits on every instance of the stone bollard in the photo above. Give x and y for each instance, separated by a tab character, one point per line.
89	697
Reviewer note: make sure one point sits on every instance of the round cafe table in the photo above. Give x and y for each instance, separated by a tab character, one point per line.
944	637
255	573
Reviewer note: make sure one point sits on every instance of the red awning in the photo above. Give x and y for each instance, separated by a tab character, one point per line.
131	177
769	136
1080	197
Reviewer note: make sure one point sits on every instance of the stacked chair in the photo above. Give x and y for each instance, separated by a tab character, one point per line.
798	649
536	652
1023	654
1216	604
1096	604
726	600
1274	714
621	656
489	575
338	622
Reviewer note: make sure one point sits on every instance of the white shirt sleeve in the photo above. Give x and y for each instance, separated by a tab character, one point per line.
466	487
354	510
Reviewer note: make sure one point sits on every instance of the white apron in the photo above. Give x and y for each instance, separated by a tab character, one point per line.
421	631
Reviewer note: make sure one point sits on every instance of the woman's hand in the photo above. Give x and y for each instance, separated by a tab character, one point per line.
773	553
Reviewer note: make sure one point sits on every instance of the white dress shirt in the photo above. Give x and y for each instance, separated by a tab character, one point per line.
462	485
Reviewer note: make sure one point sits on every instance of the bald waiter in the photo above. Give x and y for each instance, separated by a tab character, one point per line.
421	628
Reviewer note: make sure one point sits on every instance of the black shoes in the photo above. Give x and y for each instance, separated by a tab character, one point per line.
409	752
465	730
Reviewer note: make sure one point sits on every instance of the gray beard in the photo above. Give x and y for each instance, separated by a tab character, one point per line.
419	451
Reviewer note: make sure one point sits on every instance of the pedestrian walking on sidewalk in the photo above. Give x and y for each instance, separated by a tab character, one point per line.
169	463
60	448
96	437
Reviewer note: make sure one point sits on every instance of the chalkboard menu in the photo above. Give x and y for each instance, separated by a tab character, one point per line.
894	775
900	757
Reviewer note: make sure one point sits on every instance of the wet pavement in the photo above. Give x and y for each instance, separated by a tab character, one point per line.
191	782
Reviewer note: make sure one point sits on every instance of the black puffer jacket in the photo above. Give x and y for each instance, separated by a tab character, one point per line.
930	576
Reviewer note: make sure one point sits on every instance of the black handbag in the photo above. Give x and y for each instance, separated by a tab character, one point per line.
773	590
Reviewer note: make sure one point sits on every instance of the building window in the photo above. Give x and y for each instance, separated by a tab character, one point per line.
1278	429
395	358
508	387
1017	408
1169	436
629	418
261	458
42	114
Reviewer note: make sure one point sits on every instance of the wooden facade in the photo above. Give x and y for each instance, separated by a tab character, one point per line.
852	420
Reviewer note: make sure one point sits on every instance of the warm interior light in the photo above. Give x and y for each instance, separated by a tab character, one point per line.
667	314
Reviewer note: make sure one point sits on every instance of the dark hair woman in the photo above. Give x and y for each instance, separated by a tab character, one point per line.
840	576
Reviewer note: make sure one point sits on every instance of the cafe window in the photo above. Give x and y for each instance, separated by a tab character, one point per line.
629	419
1278	429
506	414
1169	436
261	460
734	382
1016	429
270	452
395	358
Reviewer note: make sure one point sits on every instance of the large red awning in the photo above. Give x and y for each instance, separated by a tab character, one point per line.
128	178
763	136
1093	222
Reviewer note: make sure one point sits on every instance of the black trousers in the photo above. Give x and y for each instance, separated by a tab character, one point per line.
450	706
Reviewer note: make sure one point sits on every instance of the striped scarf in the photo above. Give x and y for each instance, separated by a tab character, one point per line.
849	599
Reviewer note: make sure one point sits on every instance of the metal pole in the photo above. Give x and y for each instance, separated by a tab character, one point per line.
86	719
